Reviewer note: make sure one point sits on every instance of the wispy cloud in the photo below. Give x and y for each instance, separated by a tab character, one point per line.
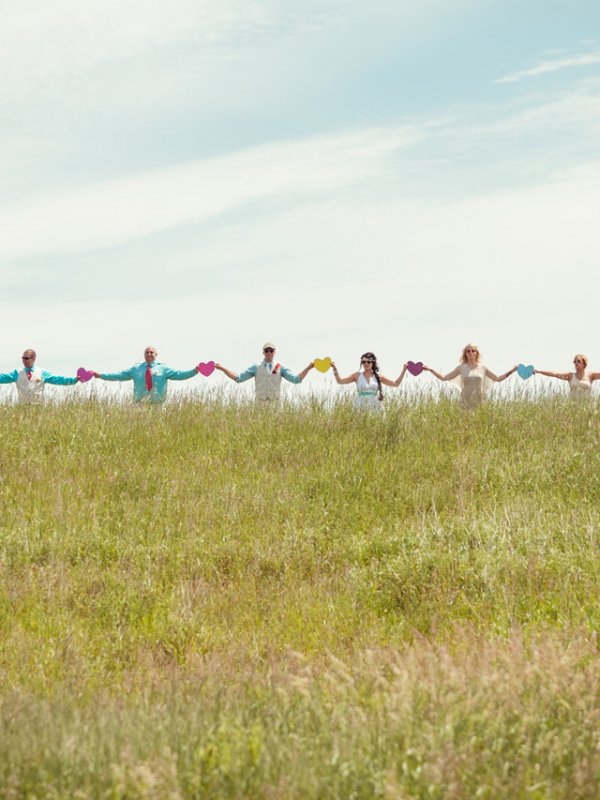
113	212
45	44
584	60
420	160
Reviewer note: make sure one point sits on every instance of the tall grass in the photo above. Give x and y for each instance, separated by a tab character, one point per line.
220	600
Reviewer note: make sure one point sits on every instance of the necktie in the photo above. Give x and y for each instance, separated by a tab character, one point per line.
28	374
148	378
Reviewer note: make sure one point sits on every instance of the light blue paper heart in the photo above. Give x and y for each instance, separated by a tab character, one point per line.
525	371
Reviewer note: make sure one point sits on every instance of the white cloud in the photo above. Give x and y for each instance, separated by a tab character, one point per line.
420	162
583	60
41	43
108	214
507	268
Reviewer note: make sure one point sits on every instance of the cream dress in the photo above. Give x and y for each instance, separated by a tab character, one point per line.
580	387
473	384
367	393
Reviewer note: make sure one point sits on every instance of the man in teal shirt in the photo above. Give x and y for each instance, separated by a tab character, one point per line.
150	378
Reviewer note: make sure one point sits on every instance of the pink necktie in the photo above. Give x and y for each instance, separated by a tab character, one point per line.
148	378
28	374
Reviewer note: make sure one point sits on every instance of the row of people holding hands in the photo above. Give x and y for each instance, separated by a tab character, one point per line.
150	377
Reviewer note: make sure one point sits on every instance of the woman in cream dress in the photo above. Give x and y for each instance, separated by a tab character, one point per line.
580	381
368	382
471	376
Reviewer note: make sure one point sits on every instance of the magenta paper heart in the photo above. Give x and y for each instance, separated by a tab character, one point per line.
84	374
206	369
415	369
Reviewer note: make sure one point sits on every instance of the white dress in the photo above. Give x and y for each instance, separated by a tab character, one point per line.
473	384
580	387
367	393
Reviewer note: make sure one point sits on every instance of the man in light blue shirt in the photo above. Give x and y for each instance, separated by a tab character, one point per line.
150	378
267	375
31	380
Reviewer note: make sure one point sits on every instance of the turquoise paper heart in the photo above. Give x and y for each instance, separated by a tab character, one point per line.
525	371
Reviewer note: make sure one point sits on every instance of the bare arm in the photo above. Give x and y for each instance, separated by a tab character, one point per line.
593	376
226	371
563	376
499	378
306	370
455	372
350	379
398	380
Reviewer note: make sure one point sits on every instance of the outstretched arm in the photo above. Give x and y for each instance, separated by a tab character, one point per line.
125	375
593	376
350	379
226	371
290	376
58	380
398	380
499	378
563	376
9	377
180	374
305	371
439	375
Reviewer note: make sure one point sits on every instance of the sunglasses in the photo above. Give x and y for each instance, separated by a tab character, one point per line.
269	350
367	361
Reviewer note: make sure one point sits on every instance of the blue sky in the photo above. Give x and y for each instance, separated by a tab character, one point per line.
335	176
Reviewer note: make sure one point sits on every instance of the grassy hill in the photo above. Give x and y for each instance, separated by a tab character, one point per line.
220	601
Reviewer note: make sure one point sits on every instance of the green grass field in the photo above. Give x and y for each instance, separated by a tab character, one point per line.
213	600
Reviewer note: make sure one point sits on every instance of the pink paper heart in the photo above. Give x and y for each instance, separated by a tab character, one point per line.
206	369
84	374
415	369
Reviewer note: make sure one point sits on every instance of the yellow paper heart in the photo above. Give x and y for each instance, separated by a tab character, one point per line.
322	364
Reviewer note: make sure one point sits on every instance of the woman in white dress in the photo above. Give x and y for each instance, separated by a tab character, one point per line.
472	377
368	382
580	381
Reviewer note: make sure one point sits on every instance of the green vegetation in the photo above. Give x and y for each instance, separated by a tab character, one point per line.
220	601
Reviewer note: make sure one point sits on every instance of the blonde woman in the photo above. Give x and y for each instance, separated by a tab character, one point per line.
580	381
471	376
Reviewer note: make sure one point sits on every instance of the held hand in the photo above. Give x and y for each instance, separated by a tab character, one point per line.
218	366
96	374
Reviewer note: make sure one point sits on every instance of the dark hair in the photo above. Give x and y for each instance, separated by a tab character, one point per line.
373	358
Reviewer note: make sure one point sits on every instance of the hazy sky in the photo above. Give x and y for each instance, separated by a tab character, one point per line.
333	175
